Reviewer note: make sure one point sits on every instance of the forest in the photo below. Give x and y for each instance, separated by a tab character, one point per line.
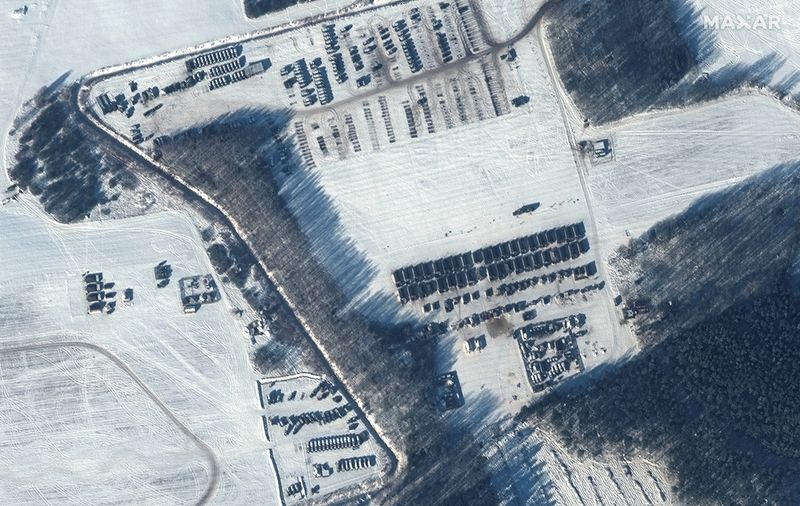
617	57
61	163
258	8
713	395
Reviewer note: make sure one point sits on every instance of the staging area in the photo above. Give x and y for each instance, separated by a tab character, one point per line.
385	113
318	441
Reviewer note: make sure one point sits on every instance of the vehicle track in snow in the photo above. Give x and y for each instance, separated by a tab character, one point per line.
211	457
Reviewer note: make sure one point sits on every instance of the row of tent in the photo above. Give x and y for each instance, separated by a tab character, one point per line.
498	270
488	255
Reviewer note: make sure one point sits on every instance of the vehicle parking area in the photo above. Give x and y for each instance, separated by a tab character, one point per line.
318	441
314	68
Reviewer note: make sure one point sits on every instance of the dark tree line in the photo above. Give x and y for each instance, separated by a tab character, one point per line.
617	57
621	57
239	161
60	163
258	8
232	260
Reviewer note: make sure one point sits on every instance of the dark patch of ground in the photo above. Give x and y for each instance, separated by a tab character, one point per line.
258	8
58	162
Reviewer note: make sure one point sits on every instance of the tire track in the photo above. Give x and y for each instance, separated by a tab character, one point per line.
568	473
215	473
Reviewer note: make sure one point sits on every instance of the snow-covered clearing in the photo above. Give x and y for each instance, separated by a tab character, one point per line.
197	365
665	161
581	481
74	418
748	30
503	19
455	190
530	466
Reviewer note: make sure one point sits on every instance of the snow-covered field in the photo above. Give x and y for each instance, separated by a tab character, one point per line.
663	162
529	466
504	19
197	365
77	429
580	481
748	30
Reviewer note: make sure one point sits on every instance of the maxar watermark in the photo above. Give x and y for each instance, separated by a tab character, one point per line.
771	22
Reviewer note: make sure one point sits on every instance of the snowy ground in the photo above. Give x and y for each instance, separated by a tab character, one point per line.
581	481
665	161
529	466
746	35
503	19
422	199
74	416
197	365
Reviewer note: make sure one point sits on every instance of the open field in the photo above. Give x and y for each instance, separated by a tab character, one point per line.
196	364
751	32
580	481
665	161
558	477
503	19
72	413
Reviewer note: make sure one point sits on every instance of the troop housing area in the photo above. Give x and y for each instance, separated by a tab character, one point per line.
420	86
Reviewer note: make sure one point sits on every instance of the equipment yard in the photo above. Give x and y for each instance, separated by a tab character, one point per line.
364	90
320	444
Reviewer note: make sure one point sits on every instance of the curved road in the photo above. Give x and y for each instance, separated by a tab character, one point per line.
213	483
